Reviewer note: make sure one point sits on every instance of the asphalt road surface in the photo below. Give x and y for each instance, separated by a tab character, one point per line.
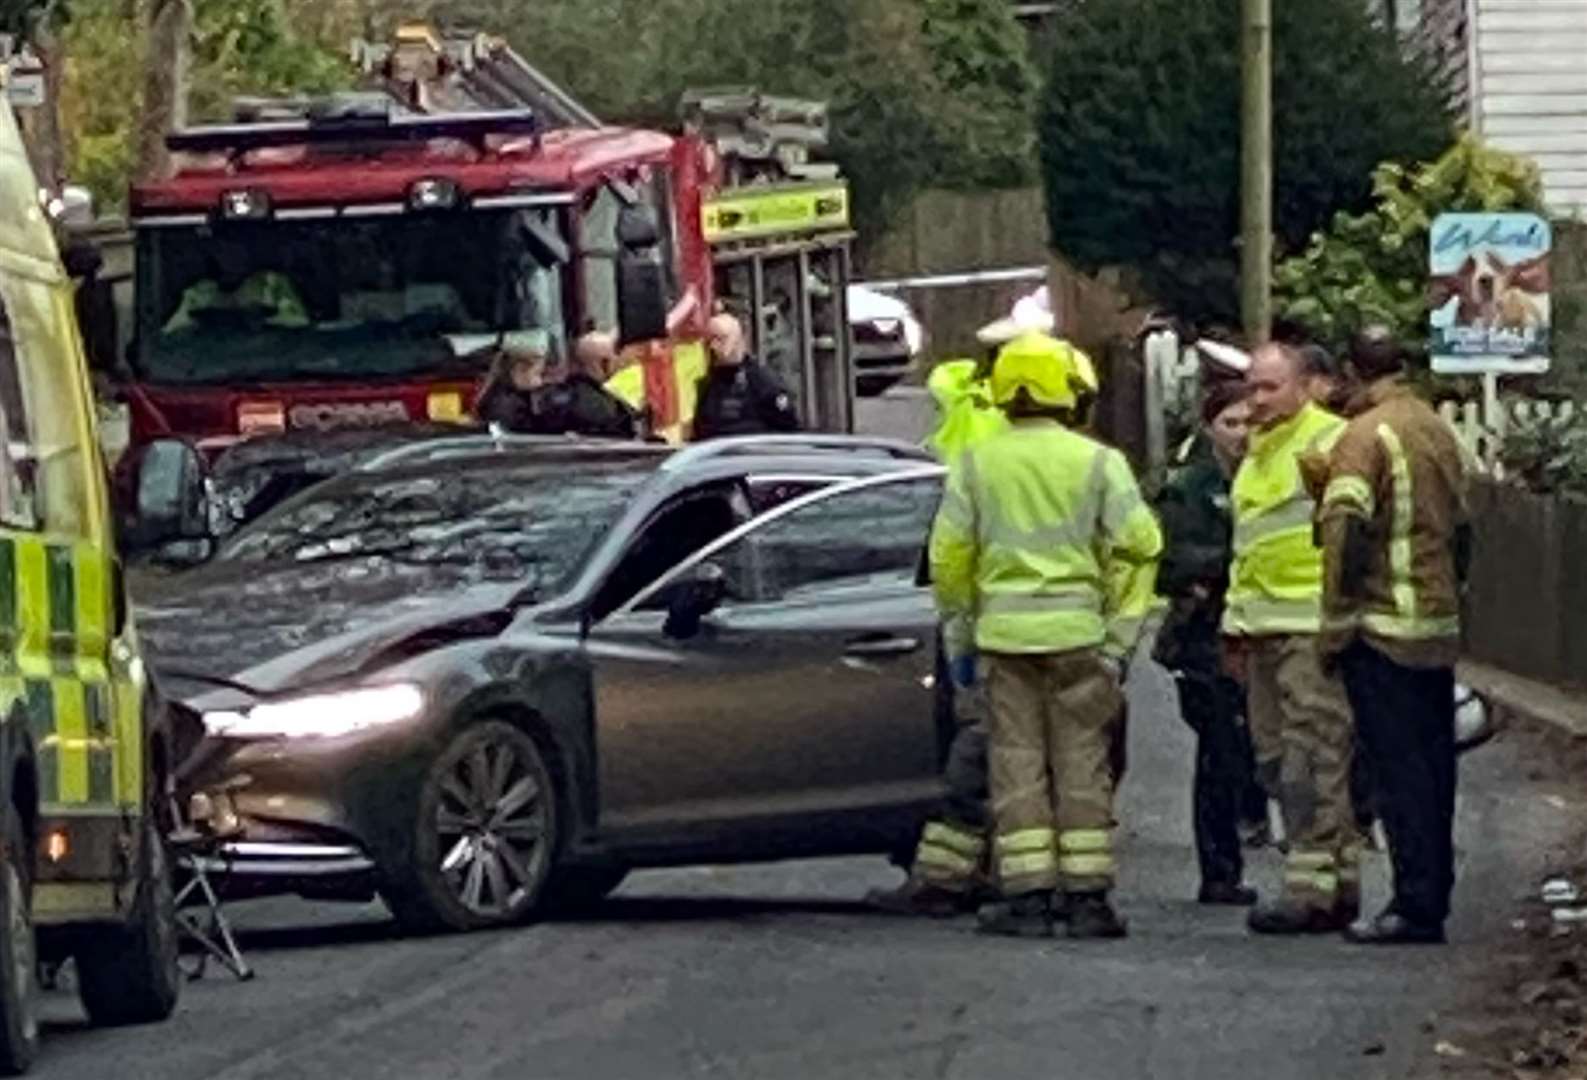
777	972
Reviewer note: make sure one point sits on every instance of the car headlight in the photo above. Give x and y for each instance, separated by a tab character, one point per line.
323	716
915	337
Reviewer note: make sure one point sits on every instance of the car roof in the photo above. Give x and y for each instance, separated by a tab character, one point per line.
662	469
824	454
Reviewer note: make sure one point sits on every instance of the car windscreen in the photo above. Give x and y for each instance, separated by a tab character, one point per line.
468	522
394	296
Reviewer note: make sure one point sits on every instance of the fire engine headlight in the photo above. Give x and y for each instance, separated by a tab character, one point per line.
321	716
245	205
433	194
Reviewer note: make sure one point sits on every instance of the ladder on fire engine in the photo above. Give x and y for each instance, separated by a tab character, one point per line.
431	72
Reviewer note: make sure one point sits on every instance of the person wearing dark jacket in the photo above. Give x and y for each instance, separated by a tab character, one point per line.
1193	575
580	404
507	398
739	396
522	401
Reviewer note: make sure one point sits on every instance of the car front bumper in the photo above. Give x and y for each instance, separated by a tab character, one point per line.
316	817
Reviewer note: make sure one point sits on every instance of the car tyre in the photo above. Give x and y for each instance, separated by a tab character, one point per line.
485	835
19	1024
576	888
874	385
129	974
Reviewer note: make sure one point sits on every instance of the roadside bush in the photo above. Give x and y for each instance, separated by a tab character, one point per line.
1372	267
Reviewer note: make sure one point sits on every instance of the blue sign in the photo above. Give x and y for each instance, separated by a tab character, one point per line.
1489	294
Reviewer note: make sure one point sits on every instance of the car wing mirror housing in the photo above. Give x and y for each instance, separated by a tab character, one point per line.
692	597
170	511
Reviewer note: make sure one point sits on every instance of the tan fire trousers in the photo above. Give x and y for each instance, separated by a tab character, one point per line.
1050	739
1301	727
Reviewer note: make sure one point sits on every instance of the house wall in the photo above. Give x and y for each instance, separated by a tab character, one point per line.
1530	83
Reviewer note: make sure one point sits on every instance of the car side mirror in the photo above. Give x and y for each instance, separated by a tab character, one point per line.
642	306
692	597
170	511
637	228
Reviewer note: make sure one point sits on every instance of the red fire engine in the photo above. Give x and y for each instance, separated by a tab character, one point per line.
361	260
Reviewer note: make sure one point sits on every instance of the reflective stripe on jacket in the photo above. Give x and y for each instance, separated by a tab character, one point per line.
1398	468
1275	584
1043	544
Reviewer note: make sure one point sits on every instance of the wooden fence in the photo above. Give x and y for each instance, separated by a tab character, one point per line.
1526	610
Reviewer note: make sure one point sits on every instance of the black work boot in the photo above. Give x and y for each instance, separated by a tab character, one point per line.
920	899
1226	894
1289	916
1027	915
1091	915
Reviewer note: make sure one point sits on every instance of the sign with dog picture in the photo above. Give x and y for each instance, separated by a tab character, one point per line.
1489	293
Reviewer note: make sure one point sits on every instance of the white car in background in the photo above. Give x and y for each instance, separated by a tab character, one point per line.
888	339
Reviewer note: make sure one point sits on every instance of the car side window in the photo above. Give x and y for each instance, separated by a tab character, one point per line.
855	537
679	529
770	491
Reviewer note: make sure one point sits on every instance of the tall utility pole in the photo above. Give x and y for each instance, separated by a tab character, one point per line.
1256	170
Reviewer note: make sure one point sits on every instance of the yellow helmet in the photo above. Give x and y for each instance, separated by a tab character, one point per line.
1083	370
1038	364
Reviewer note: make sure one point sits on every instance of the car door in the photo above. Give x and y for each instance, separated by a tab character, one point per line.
808	691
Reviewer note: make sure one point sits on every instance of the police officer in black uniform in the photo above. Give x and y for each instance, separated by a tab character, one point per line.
580	404
525	402
739	396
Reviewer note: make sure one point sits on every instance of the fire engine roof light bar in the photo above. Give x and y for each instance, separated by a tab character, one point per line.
239	138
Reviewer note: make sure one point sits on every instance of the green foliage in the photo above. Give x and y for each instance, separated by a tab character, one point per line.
239	47
1548	454
1372	267
20	17
251	47
989	82
100	98
921	91
1140	134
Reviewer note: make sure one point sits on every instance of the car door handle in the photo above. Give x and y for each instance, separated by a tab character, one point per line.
882	645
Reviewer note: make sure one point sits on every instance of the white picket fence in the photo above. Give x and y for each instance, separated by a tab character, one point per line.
1173	378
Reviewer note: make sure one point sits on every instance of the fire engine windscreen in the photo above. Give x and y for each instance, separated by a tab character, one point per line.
398	296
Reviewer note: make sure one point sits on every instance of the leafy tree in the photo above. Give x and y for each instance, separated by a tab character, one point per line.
239	47
981	57
1140	134
20	18
251	47
921	91
1372	267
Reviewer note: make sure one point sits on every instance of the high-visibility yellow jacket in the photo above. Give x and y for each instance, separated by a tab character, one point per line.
1043	544
1275	585
965	411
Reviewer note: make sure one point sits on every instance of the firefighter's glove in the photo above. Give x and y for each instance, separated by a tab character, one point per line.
962	670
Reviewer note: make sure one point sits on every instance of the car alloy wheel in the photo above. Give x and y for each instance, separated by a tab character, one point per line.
492	821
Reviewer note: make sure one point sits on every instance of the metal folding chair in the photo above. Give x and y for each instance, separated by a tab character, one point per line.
198	847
